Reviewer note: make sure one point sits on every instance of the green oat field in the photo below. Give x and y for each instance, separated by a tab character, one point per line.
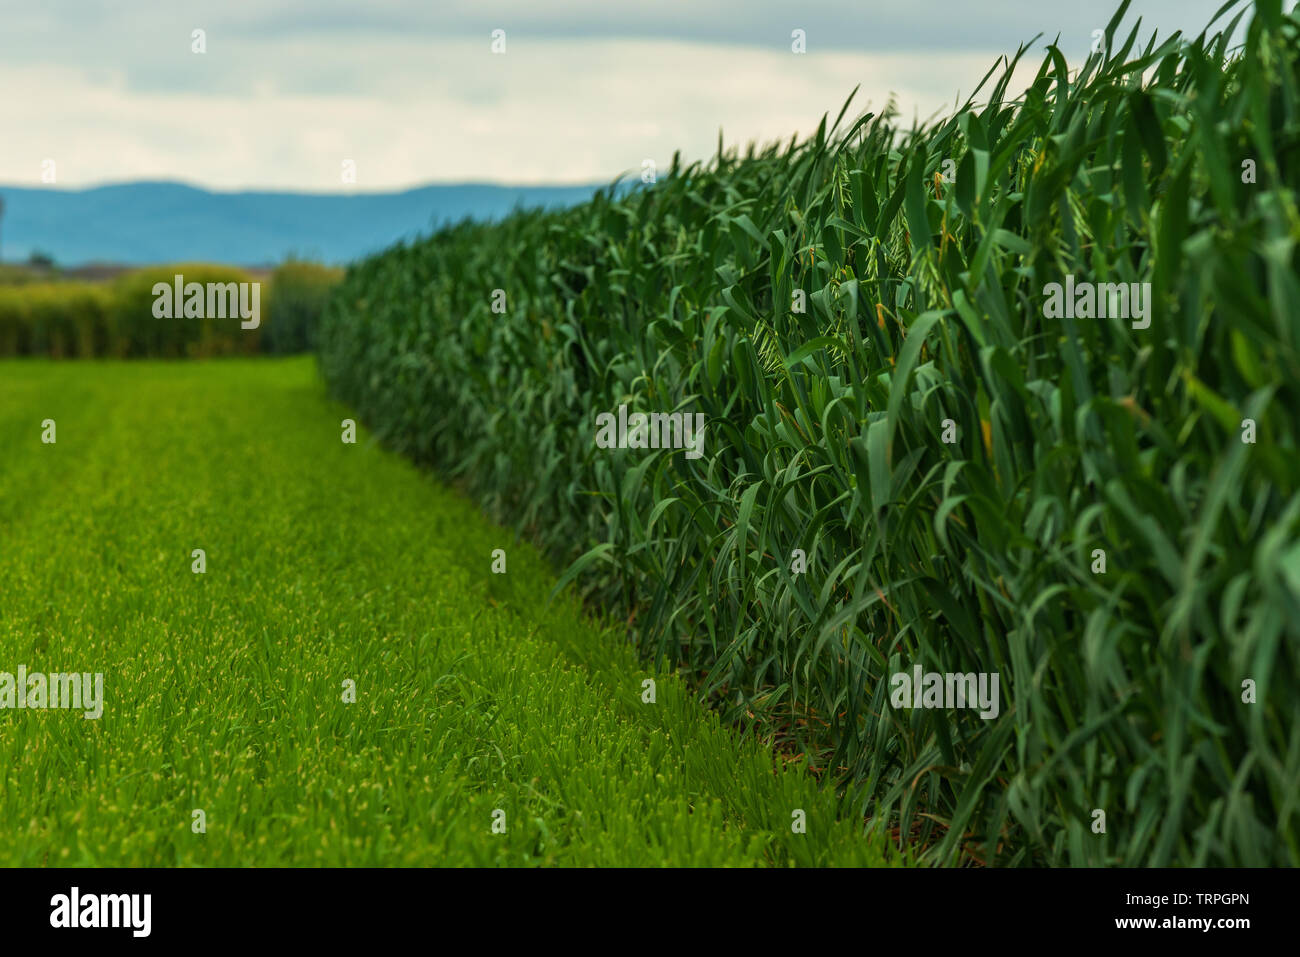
327	563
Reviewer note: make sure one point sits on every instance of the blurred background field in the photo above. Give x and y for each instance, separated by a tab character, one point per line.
47	312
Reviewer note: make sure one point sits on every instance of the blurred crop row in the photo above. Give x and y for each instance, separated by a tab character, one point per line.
71	318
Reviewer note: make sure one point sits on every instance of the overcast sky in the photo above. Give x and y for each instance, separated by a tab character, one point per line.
411	91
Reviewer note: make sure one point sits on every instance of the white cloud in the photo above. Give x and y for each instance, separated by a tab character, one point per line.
411	92
554	111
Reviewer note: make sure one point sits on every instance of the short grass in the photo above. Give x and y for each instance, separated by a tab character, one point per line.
326	562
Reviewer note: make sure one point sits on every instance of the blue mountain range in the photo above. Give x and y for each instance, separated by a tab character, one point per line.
144	223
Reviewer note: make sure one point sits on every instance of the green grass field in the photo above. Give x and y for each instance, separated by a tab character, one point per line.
326	562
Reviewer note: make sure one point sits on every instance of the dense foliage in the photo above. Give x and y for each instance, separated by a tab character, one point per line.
64	318
951	455
299	292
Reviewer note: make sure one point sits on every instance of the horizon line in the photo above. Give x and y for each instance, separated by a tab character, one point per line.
348	191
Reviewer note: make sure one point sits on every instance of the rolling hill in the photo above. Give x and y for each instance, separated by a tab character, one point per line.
141	223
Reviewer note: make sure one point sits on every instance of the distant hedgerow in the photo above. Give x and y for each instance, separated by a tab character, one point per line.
67	318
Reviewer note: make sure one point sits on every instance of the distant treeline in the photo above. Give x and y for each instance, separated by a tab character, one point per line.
63	318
